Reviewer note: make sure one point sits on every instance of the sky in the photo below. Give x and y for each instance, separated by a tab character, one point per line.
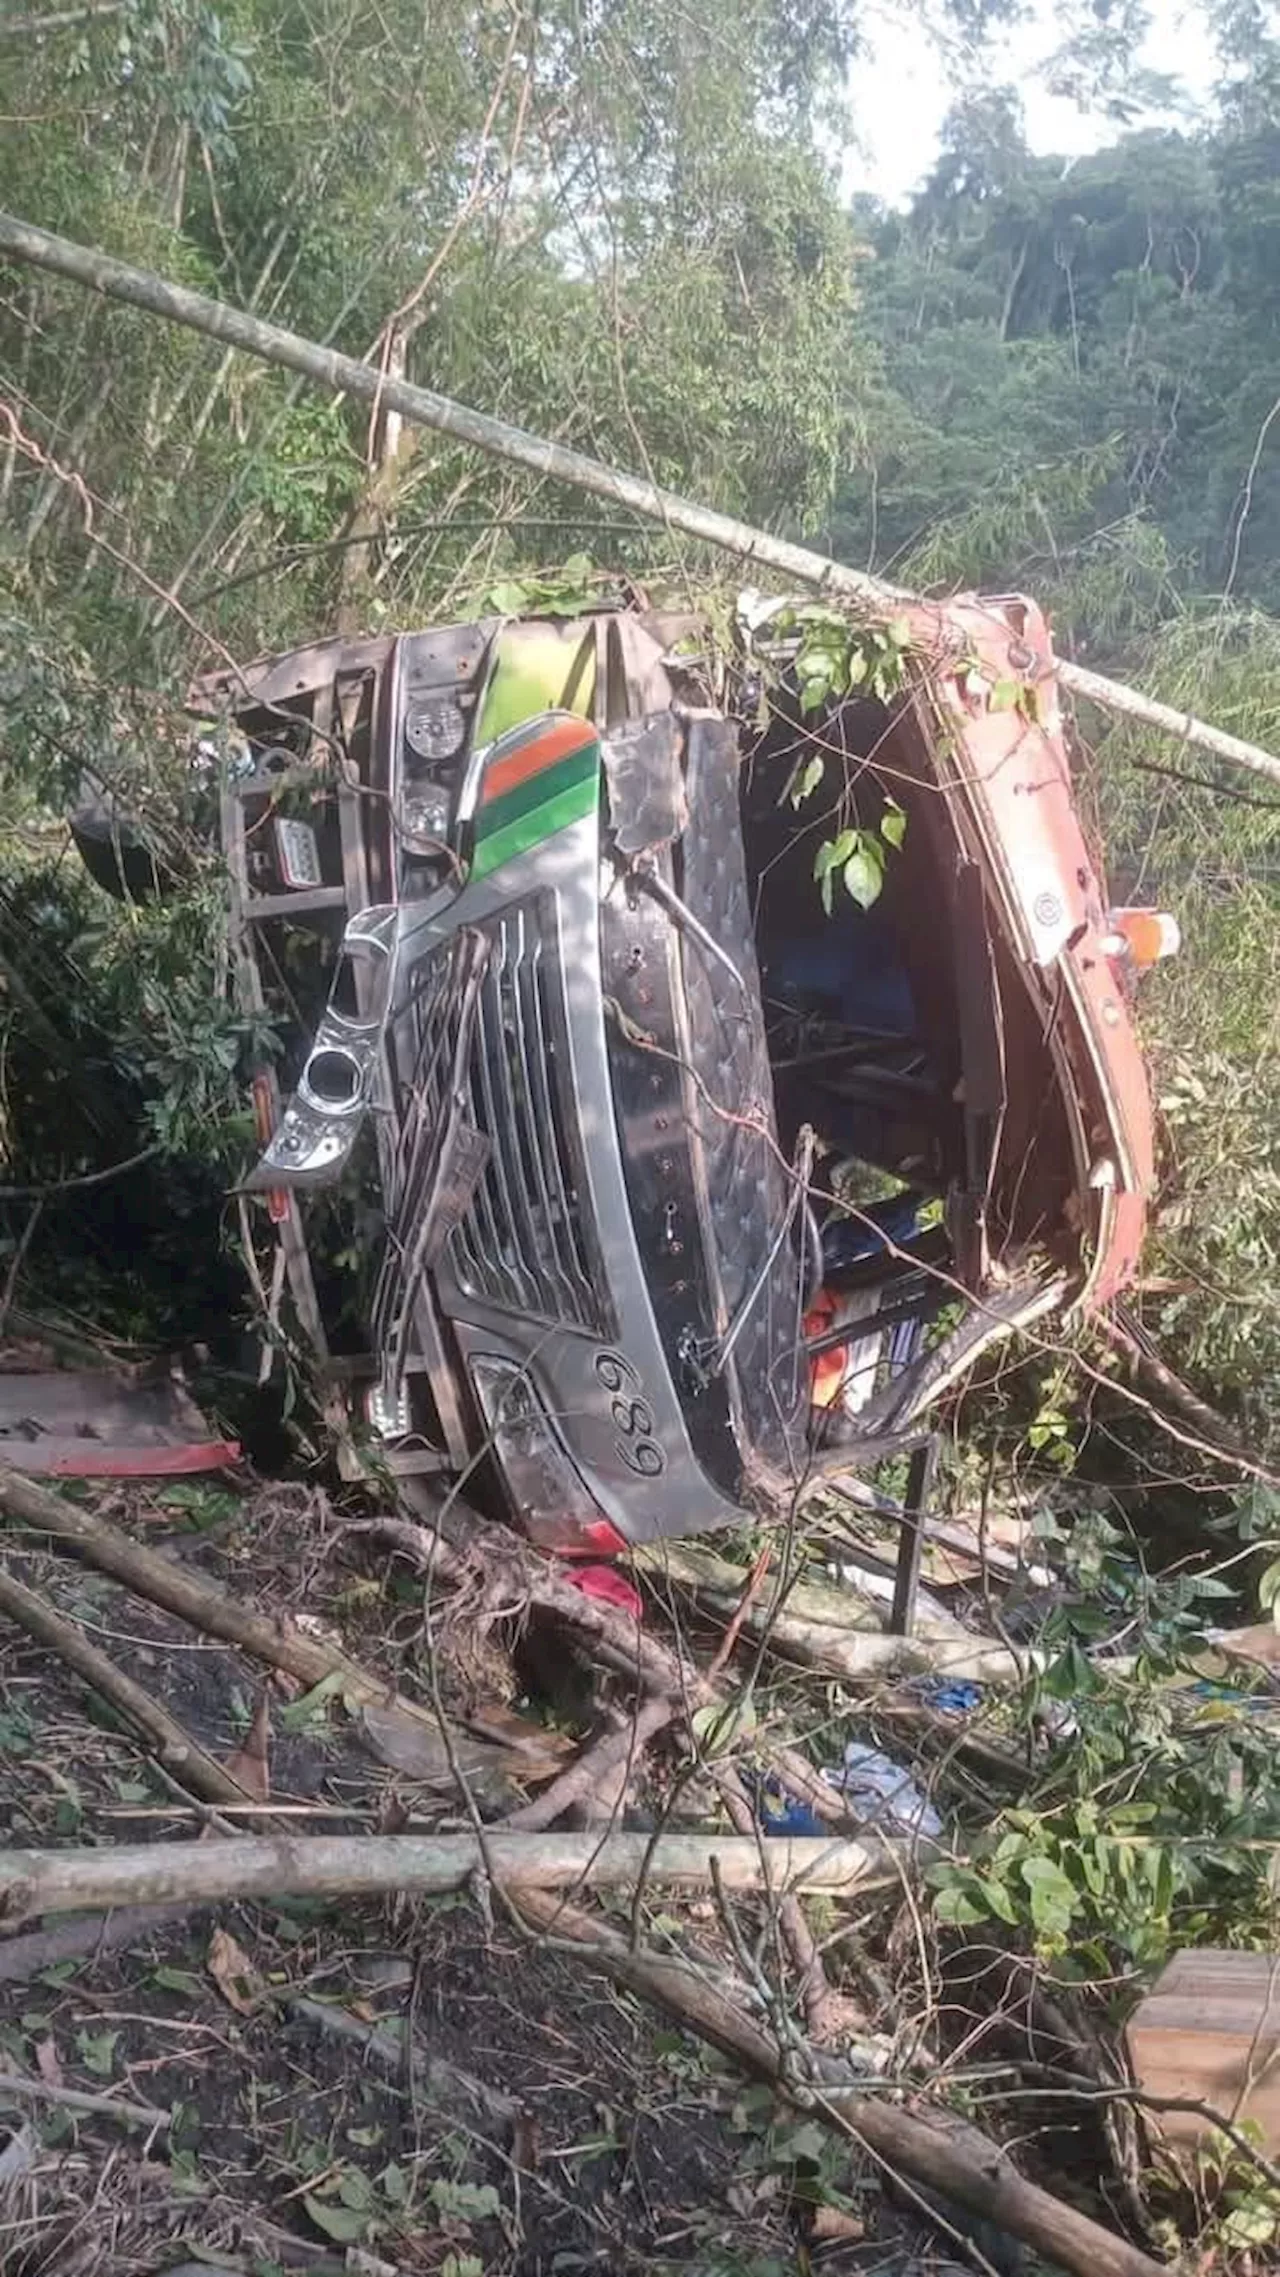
901	100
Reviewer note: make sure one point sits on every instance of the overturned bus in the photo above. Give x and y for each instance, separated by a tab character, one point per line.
738	1044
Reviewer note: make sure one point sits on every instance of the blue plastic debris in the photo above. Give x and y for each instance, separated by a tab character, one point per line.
1249	1703
882	1794
779	1812
791	1817
950	1695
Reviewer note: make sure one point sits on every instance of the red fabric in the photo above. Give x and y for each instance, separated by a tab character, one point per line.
608	1585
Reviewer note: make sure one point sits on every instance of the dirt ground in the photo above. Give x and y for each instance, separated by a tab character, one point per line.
380	2090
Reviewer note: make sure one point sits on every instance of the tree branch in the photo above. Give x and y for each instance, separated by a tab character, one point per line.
940	2153
364	1865
424	407
195	1770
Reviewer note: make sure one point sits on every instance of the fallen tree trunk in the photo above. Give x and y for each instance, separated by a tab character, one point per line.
940	2154
815	1624
201	1873
424	407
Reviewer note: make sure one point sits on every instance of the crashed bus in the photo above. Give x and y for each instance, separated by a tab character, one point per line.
741	1043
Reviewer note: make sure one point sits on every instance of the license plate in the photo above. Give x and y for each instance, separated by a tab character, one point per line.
298	854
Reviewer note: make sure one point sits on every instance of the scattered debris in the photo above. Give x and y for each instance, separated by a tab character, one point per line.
73	2099
83	1423
234	1974
882	1793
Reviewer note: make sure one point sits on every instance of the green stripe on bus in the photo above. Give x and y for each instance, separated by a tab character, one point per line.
576	767
526	830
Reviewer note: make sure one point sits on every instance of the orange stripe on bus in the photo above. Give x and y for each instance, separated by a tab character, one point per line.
554	743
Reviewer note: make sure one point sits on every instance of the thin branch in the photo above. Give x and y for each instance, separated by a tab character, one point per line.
80	1185
75	2099
196	1771
1246	502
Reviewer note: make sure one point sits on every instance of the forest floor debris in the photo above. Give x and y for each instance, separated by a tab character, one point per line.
480	2080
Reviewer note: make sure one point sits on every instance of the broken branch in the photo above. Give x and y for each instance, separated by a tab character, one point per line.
194	1769
517	1576
77	2099
202	1873
198	1601
821	2005
964	2165
815	1624
614	1753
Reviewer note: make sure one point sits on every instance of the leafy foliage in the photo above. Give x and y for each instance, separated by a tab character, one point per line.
1152	1822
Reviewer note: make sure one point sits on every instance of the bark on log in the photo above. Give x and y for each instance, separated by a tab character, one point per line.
193	1768
815	1624
424	407
941	2154
211	1609
202	1873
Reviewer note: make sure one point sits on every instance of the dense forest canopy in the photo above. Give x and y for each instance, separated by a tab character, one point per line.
618	222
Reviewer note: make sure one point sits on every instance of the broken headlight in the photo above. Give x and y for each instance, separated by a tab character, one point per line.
555	1506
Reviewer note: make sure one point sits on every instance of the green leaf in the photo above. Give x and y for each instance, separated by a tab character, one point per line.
1093	1860
167	1979
1053	1897
832	852
394	2184
1006	696
355	2189
466	2201
304	1711
809	2141
806	783
954	1907
1255	2221
1269	1590
346	2225
715	1728
508	599
97	2051
864	873
893	825
999	1899
185	2174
